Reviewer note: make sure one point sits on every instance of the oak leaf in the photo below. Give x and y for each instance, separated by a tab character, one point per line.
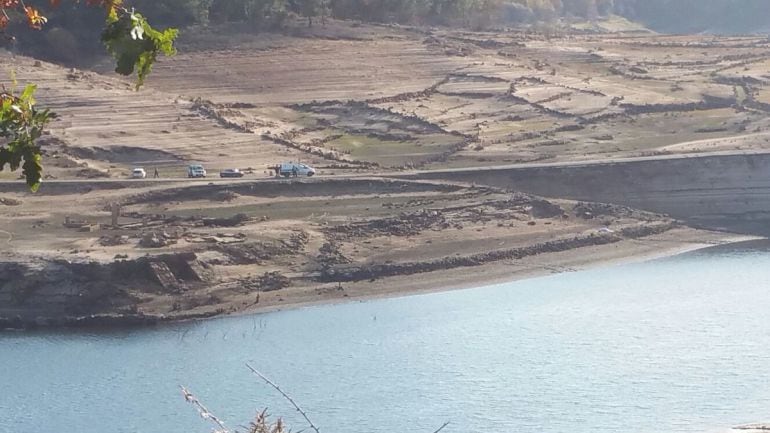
34	19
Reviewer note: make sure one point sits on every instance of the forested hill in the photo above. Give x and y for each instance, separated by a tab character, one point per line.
73	28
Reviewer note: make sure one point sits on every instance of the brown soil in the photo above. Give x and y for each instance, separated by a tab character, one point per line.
356	102
181	250
350	98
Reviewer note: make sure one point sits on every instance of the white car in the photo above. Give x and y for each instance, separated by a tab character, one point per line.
138	173
196	170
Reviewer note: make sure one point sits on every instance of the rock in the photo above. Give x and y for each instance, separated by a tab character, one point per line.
267	282
108	241
329	254
545	209
226	195
153	240
604	137
5	201
233	221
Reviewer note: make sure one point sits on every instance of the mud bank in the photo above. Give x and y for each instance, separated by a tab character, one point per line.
178	251
722	192
353	273
603	252
62	290
151	291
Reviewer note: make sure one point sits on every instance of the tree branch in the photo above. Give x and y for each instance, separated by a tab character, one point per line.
442	427
203	411
286	396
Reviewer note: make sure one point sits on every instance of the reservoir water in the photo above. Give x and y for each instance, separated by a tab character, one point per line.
674	345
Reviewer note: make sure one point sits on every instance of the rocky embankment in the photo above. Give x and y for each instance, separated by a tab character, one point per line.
374	271
181	252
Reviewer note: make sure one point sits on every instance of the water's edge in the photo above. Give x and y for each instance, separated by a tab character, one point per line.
549	265
675	345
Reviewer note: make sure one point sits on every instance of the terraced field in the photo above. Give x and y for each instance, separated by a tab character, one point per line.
359	97
105	127
501	97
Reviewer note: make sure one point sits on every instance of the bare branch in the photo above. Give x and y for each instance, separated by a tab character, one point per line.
286	396
203	411
442	427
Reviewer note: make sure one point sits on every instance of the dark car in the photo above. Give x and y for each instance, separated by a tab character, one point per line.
231	172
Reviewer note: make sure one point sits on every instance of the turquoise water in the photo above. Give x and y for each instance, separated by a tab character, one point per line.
675	345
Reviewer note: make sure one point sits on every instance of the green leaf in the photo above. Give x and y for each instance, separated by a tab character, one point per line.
21	124
27	94
33	169
136	45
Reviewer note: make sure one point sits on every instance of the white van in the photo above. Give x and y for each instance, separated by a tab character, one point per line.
294	169
138	173
196	170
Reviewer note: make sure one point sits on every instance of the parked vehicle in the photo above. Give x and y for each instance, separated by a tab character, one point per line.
138	173
231	172
293	169
196	170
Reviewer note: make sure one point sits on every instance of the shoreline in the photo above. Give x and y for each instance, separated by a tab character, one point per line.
668	244
640	250
375	238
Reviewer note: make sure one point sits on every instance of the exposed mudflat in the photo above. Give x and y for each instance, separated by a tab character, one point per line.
189	249
356	102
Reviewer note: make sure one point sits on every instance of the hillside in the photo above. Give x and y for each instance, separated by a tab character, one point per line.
363	104
388	97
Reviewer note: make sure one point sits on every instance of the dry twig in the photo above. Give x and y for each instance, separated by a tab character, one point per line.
260	424
203	411
442	427
286	396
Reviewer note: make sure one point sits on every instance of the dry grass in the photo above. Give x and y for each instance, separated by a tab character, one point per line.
262	422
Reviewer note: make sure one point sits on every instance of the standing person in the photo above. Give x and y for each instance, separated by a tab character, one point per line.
156	174
294	171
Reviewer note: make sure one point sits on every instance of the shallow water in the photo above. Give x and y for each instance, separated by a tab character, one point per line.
674	345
